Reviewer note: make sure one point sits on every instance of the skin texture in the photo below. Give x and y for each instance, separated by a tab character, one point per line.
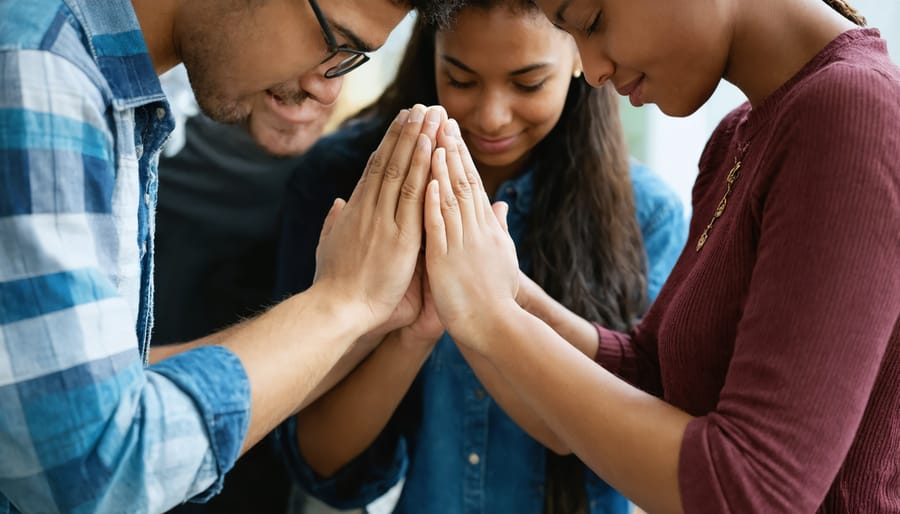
234	52
681	48
292	136
490	101
258	63
485	91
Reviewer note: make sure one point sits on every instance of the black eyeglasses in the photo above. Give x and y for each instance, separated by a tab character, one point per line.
356	58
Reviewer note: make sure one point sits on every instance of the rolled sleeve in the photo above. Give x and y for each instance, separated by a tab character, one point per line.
363	480
216	380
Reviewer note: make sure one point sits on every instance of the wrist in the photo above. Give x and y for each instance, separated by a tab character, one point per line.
410	340
480	325
343	312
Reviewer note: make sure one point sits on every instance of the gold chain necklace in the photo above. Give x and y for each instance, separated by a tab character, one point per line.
729	186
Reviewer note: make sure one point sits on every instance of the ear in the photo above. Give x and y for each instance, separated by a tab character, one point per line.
576	65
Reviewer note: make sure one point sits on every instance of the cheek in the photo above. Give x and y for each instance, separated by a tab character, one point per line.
542	110
457	102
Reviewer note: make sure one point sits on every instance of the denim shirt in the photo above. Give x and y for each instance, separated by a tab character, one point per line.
85	426
457	449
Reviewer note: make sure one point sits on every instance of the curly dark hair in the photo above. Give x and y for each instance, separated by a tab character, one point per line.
583	238
436	12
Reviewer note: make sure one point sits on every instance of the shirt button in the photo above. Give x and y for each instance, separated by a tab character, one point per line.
479	394
139	151
509	191
147	199
160	113
474	459
143	248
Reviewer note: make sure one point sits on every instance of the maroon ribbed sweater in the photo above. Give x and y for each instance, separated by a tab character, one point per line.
781	335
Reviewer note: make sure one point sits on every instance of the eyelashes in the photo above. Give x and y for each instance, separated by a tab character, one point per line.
594	24
525	88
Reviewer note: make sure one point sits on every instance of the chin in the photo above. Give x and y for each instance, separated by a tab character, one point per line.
280	145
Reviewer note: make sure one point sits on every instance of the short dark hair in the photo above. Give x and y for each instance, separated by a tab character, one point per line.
435	12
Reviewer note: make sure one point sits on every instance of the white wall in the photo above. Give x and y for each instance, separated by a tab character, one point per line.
673	145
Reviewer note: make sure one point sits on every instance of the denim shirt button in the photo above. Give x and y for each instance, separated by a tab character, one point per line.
143	249
147	199
160	113
139	151
479	394
474	459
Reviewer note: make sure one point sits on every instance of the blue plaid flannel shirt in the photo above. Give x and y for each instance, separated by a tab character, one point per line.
84	425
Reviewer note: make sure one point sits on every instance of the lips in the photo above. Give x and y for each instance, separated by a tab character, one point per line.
289	112
633	91
492	144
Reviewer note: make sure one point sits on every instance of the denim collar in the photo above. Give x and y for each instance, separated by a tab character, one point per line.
518	191
117	45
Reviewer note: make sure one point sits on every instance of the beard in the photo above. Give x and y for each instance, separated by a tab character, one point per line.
210	96
206	55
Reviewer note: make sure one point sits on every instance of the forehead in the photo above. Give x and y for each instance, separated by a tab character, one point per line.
560	12
491	34
370	20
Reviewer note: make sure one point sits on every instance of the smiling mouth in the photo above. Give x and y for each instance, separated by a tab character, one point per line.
493	145
630	87
285	99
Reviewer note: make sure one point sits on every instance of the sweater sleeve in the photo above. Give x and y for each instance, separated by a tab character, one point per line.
822	305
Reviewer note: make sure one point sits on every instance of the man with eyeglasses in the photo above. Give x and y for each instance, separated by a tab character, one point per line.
86	425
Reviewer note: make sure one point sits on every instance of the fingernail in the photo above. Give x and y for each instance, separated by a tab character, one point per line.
434	116
417	114
455	127
402	116
448	128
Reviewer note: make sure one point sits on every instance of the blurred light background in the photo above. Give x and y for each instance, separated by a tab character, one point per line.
671	146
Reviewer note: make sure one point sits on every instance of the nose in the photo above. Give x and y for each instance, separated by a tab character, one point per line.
598	67
321	89
493	112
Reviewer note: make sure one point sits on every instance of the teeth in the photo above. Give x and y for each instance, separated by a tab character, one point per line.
276	97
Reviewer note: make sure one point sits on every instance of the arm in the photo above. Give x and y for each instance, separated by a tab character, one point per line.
344	422
826	292
364	275
145	437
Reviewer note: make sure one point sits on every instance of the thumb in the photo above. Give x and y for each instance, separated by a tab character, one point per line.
501	209
333	214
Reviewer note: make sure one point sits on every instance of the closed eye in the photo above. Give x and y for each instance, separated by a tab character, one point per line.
594	25
530	88
458	83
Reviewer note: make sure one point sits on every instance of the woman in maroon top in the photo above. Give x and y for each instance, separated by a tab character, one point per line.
772	354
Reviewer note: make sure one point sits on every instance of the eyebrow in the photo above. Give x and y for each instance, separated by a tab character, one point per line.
560	13
356	42
520	71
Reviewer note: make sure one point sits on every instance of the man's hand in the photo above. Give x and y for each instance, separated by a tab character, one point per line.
369	246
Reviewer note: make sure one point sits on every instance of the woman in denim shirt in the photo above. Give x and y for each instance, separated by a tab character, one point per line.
598	233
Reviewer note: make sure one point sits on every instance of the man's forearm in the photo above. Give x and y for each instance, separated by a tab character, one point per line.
289	351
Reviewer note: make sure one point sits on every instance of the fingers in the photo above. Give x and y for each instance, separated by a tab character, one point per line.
464	176
501	210
369	186
475	179
332	216
397	174
449	203
435	230
409	204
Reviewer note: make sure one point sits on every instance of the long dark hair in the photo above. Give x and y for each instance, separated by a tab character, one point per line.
847	11
583	237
